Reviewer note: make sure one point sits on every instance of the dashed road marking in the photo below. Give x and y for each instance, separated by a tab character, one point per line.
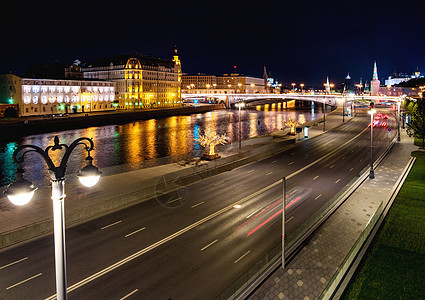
269	173
138	230
200	203
129	294
12	263
113	224
23	281
316	177
338	180
210	244
236	261
317	197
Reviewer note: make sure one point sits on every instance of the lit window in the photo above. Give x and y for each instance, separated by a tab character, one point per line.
35	99
27	99
100	98
60	99
44	99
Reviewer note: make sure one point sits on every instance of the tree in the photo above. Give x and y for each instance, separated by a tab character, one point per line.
291	123
416	127
211	139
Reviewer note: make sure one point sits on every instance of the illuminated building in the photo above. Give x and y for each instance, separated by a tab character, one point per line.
35	96
374	84
140	81
225	84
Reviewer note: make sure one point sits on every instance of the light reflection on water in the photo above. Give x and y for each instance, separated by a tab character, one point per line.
146	143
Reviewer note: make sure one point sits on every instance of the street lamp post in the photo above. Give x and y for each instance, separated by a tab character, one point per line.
398	121
240	104
372	173
21	191
324	116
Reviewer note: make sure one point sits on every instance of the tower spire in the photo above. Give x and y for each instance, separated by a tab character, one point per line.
375	71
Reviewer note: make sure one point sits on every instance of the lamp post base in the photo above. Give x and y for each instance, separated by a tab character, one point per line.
372	174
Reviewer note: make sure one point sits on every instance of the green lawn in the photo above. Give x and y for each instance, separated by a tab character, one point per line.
394	265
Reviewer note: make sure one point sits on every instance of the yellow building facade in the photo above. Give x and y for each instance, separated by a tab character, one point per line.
140	81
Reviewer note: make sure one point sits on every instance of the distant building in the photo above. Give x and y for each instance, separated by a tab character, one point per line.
224	84
374	84
36	96
401	77
348	85
140	81
400	91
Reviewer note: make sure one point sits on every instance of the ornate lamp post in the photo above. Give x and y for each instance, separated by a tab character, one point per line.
21	191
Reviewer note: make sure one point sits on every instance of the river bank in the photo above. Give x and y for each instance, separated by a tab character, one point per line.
33	125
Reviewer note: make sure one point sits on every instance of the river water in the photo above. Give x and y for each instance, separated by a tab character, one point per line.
146	143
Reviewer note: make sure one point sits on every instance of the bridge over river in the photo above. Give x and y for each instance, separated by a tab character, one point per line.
329	99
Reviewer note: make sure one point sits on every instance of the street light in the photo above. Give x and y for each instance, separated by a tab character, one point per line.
239	105
21	191
372	173
293	87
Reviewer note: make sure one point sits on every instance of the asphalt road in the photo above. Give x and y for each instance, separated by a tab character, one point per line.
196	249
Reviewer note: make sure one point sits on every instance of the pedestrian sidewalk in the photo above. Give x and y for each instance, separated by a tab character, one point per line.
308	273
117	191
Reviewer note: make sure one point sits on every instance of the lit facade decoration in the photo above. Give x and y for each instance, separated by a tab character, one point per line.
58	96
140	81
225	84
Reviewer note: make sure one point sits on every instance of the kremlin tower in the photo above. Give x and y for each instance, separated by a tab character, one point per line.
374	84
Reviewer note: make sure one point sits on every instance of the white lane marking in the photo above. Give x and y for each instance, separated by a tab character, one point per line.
331	166
252	213
343	157
210	244
195	205
320	195
239	186
289	219
269	173
129	294
138	230
23	281
15	262
274	161
290	163
350	170
236	261
316	177
338	180
250	171
174	200
107	226
220	182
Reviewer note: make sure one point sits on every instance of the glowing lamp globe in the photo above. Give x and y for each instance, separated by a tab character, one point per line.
21	191
89	175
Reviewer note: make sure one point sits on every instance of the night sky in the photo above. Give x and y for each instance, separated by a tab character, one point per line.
298	41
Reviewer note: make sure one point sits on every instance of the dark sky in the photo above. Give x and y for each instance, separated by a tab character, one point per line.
298	41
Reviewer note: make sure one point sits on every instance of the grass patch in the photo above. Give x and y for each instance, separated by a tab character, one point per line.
394	264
